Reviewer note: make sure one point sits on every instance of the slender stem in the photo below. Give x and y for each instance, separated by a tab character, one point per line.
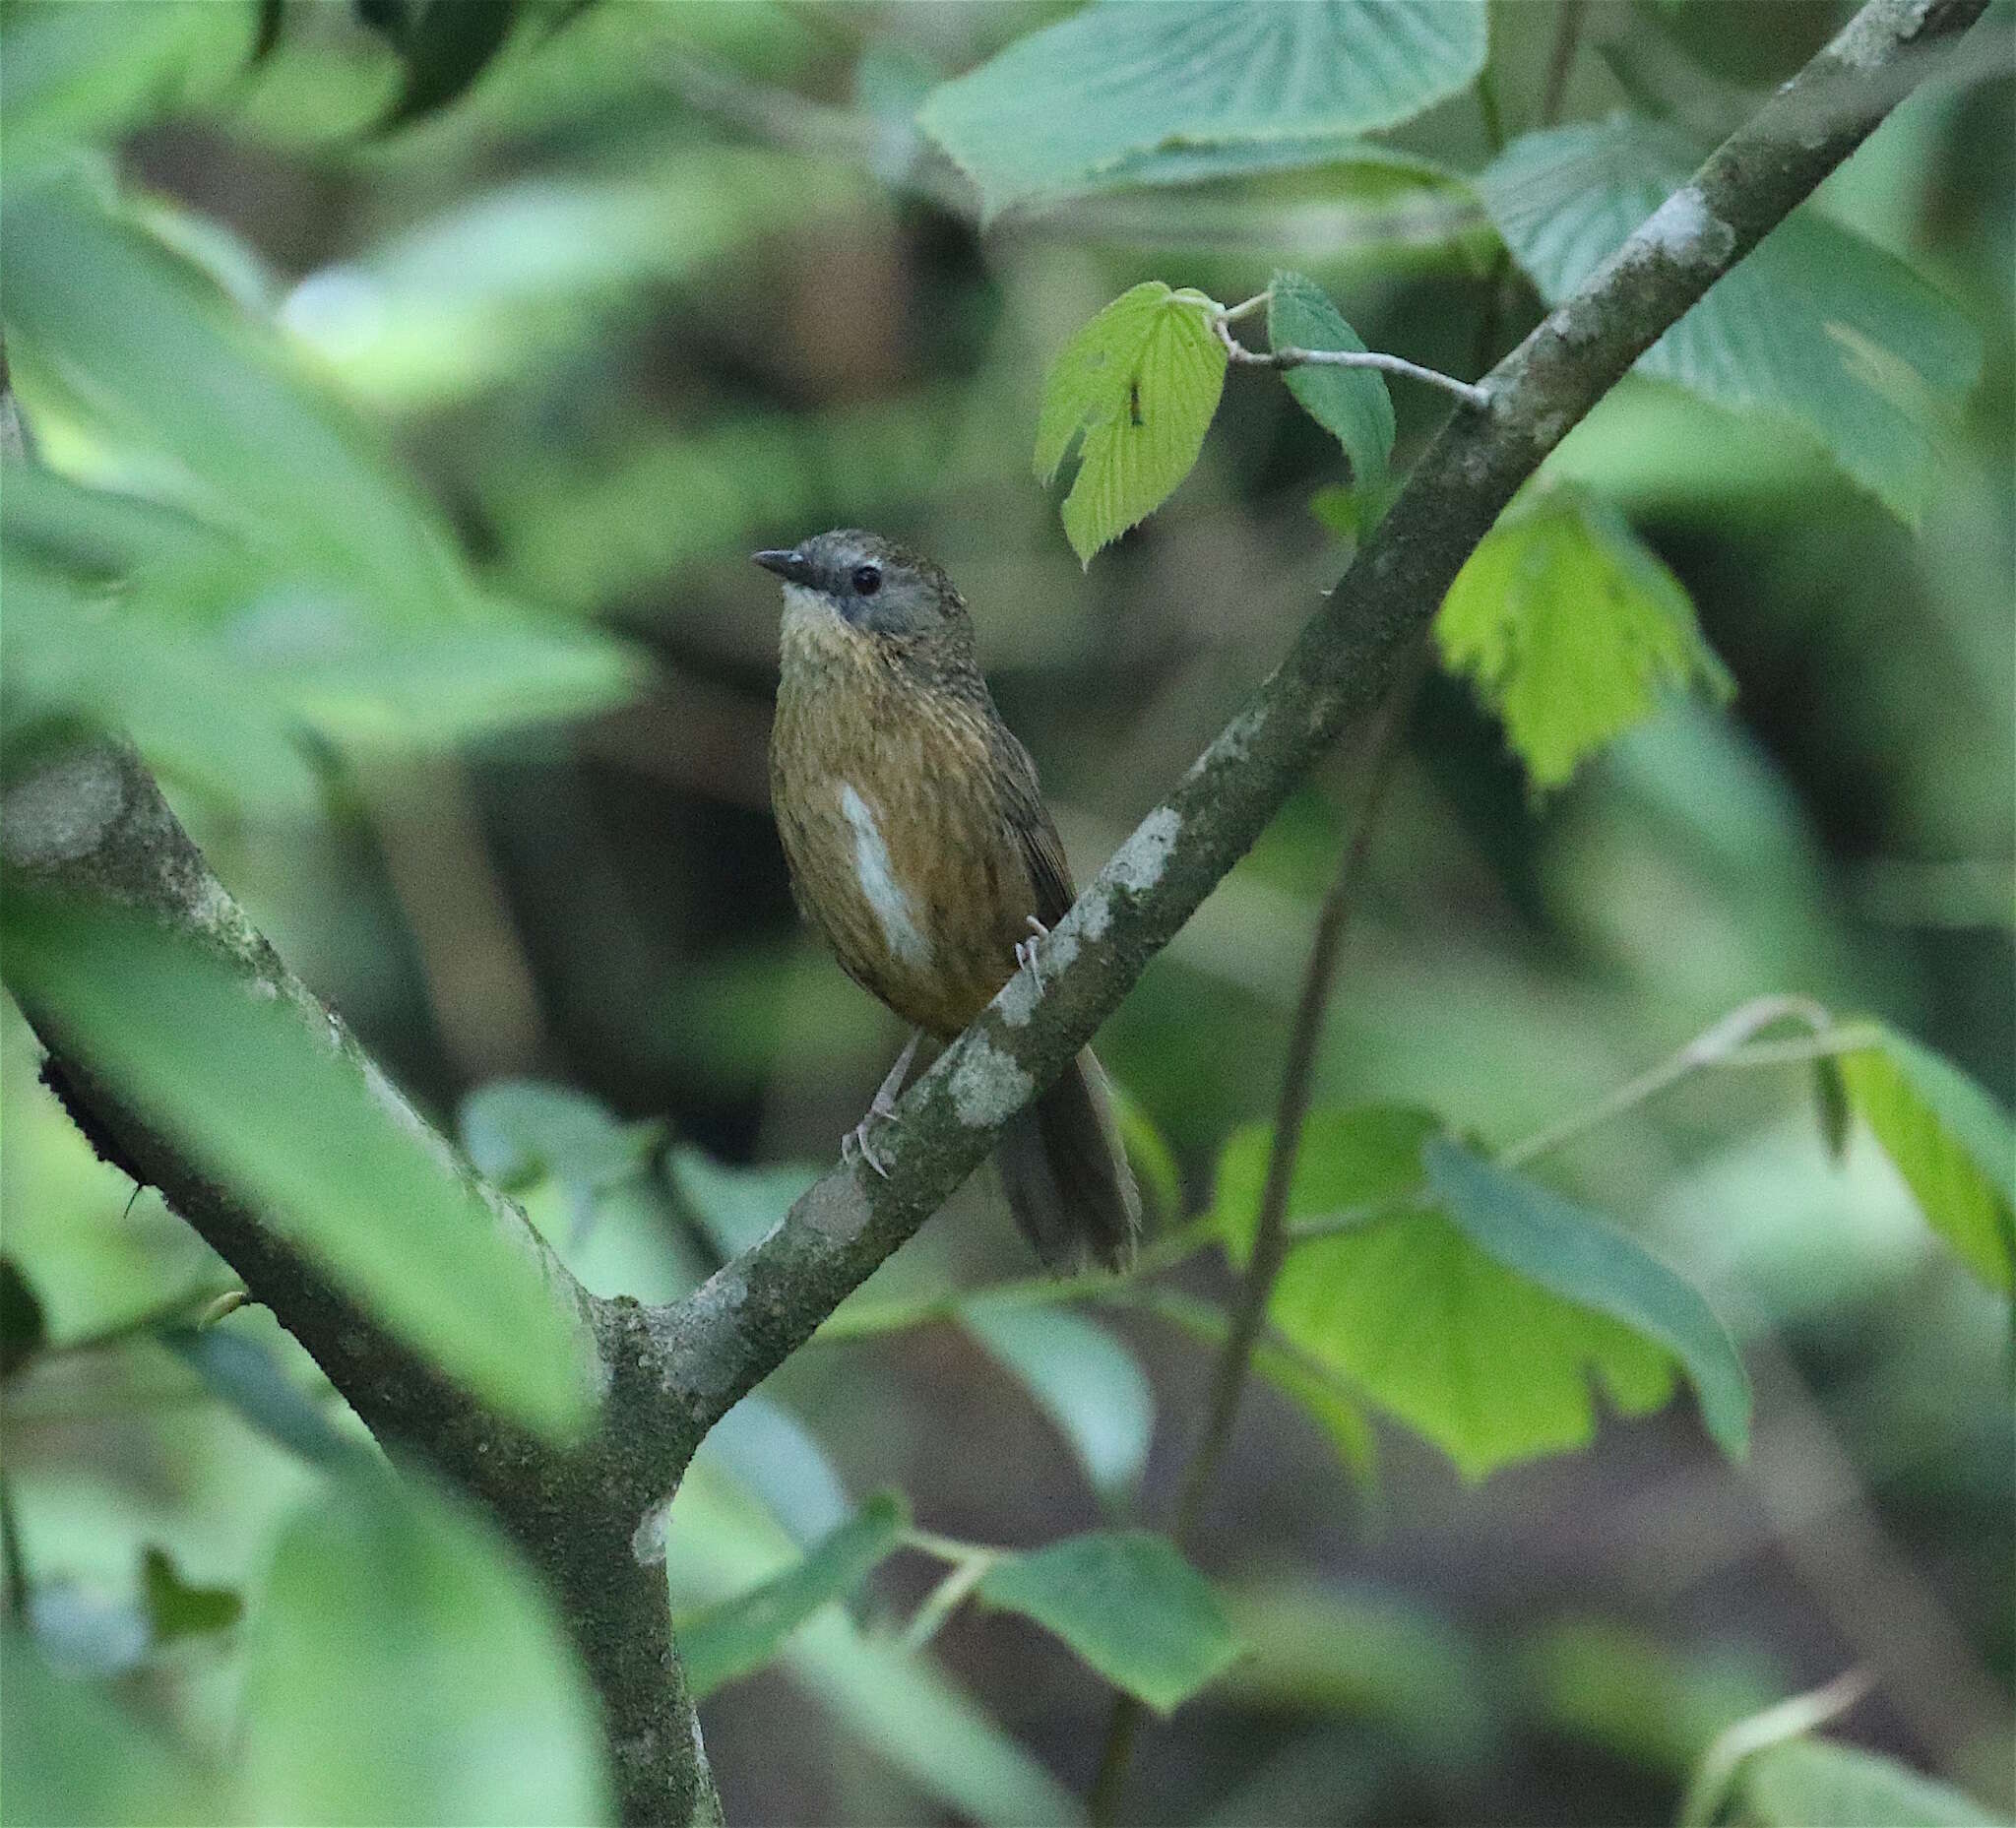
1488	107
1785	1719
13	1562
179	1309
1232	314
1847	1037
954	1549
1711	1046
1491	324
1272	1239
945	1597
1291	357
1561	59
1725	1046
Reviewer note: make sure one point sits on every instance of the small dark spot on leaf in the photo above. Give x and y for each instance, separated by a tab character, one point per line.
1134	404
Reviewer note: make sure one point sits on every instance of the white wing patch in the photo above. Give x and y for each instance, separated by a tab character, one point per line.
878	882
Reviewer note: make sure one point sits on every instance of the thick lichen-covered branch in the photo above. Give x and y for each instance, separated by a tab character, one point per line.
740	1325
92	824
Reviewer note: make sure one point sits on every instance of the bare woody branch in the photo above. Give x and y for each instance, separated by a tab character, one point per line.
94	824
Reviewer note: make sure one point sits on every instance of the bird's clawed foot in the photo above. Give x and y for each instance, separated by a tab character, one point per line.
857	1142
860	1140
1025	951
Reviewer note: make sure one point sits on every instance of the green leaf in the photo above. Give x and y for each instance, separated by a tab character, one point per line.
1365	1157
1081	1376
729	1641
100	535
517	1131
776	1457
1347	163
1570	628
23	1328
1574	1254
1366	212
83	74
405	1667
1153	1161
1816	328
144	351
1141	381
903	1708
224	699
1427	1310
1952	1143
243	1373
75	662
513	280
1048	115
298	585
1489	1367
1807	1781
445	50
1126	1602
74	1755
1351	404
265	1103
175	1610
1339	511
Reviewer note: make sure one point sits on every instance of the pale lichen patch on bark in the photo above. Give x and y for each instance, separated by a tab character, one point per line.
988	1086
1138	864
63	811
1687	231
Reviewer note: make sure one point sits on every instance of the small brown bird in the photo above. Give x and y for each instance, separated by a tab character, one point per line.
920	849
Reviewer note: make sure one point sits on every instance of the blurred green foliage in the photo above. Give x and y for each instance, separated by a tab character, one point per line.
408	382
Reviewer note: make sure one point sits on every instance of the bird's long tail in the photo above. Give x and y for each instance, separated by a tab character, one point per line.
1066	1174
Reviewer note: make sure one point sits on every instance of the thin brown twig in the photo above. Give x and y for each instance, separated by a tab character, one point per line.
1289	355
13	1562
1561	59
1271	1239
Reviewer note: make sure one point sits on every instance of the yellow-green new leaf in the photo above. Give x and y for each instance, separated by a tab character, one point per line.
1141	381
1475	1306
1570	628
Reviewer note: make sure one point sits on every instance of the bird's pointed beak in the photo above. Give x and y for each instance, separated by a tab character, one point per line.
792	567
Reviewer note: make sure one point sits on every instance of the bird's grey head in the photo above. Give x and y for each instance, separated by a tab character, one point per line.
870	582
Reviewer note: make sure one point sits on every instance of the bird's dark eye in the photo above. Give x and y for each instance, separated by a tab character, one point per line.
867	580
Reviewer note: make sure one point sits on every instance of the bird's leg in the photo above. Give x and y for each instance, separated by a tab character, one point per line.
1025	951
882	1106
